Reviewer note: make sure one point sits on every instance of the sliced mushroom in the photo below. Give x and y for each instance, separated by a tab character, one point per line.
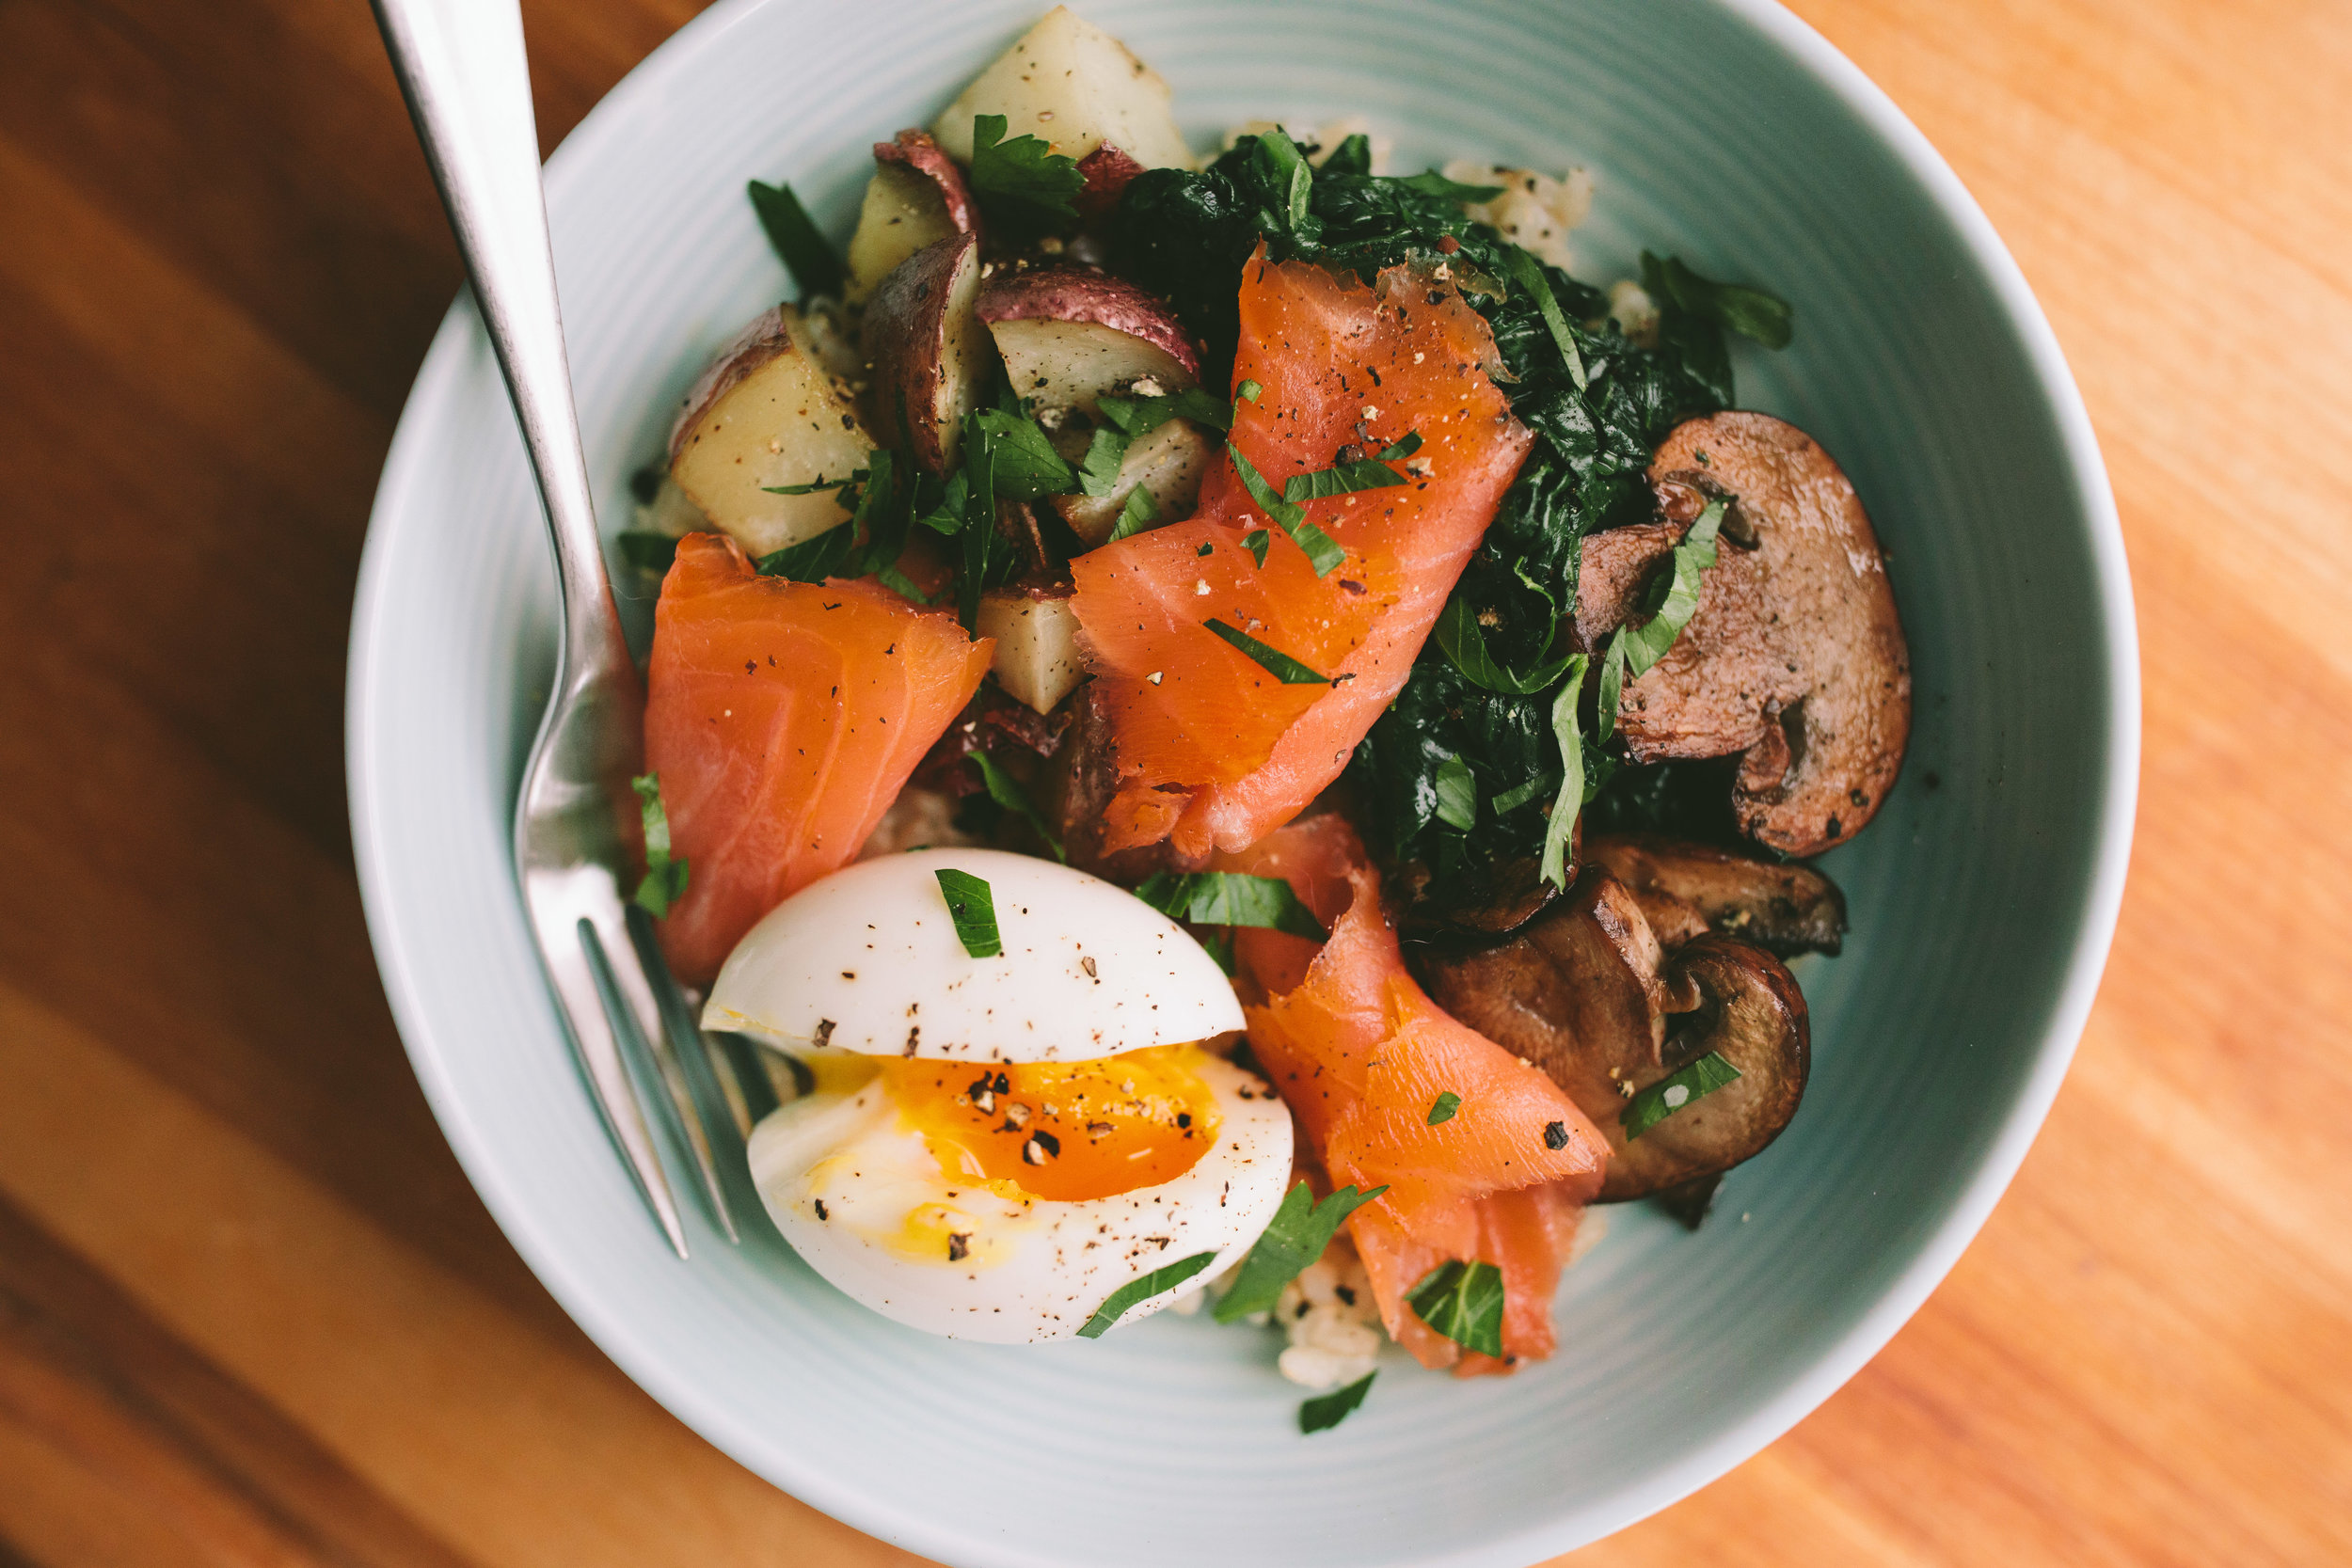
1751	1013
1577	991
1484	902
1585	992
1795	661
1687	890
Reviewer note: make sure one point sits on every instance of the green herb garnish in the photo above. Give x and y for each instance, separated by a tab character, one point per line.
1139	416
1635	649
1137	1292
1516	797
1098	471
1460	639
1463	1302
1570	800
1433	183
1293	1237
1326	1411
1338	479
1322	551
813	560
1285	169
1139	513
815	268
973	910
1231	898
856	476
1257	541
1249	391
664	881
1458	795
1528	273
1024	174
1673	1092
1442	1110
1026	464
1006	791
1273	660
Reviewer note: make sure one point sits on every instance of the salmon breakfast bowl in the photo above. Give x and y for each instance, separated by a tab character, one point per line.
1380	792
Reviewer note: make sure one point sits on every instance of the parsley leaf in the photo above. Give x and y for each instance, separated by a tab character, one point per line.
1463	1302
1271	661
815	268
1024	175
1249	391
1322	551
1670	1093
1098	471
665	877
1231	898
1006	791
813	560
1570	800
972	907
1637	648
856	476
1026	464
1458	795
1140	512
1442	1110
1338	479
1137	417
1137	1292
1293	1237
1257	541
1326	1411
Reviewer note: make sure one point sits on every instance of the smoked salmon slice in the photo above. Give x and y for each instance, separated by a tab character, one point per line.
1362	1054
783	718
1210	747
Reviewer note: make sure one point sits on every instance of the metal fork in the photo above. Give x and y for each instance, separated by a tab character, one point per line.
462	67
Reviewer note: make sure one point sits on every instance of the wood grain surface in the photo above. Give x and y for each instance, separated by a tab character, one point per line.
251	1313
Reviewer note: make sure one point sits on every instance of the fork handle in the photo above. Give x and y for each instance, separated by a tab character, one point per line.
462	67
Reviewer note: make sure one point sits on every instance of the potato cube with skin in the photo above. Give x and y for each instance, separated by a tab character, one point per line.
1036	630
1168	461
1069	83
766	414
902	213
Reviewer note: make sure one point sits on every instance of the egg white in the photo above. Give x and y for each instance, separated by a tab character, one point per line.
1031	1270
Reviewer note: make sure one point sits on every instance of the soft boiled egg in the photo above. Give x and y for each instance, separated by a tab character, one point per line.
997	1144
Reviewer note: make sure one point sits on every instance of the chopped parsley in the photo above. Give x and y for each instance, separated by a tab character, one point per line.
1137	416
1638	648
1326	1411
1673	1092
1463	1302
1024	177
972	907
1571	798
1461	639
1322	551
1528	274
1249	391
1231	898
1367	473
1006	791
1257	541
856	476
1442	1109
1137	1292
1458	795
1098	471
1139	513
1295	1237
815	268
1273	660
1026	464
664	881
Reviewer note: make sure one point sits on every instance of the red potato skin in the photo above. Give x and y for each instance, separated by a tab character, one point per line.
1069	293
1106	171
917	151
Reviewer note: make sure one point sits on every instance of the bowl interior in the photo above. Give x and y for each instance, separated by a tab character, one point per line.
1981	897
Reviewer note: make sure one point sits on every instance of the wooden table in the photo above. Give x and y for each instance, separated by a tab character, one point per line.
251	1313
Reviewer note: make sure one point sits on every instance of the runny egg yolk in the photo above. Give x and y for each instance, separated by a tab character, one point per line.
1065	1131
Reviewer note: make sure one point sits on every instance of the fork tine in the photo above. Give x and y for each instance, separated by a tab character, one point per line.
677	1043
572	963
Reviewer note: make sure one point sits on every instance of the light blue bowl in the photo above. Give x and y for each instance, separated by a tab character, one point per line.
1983	897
